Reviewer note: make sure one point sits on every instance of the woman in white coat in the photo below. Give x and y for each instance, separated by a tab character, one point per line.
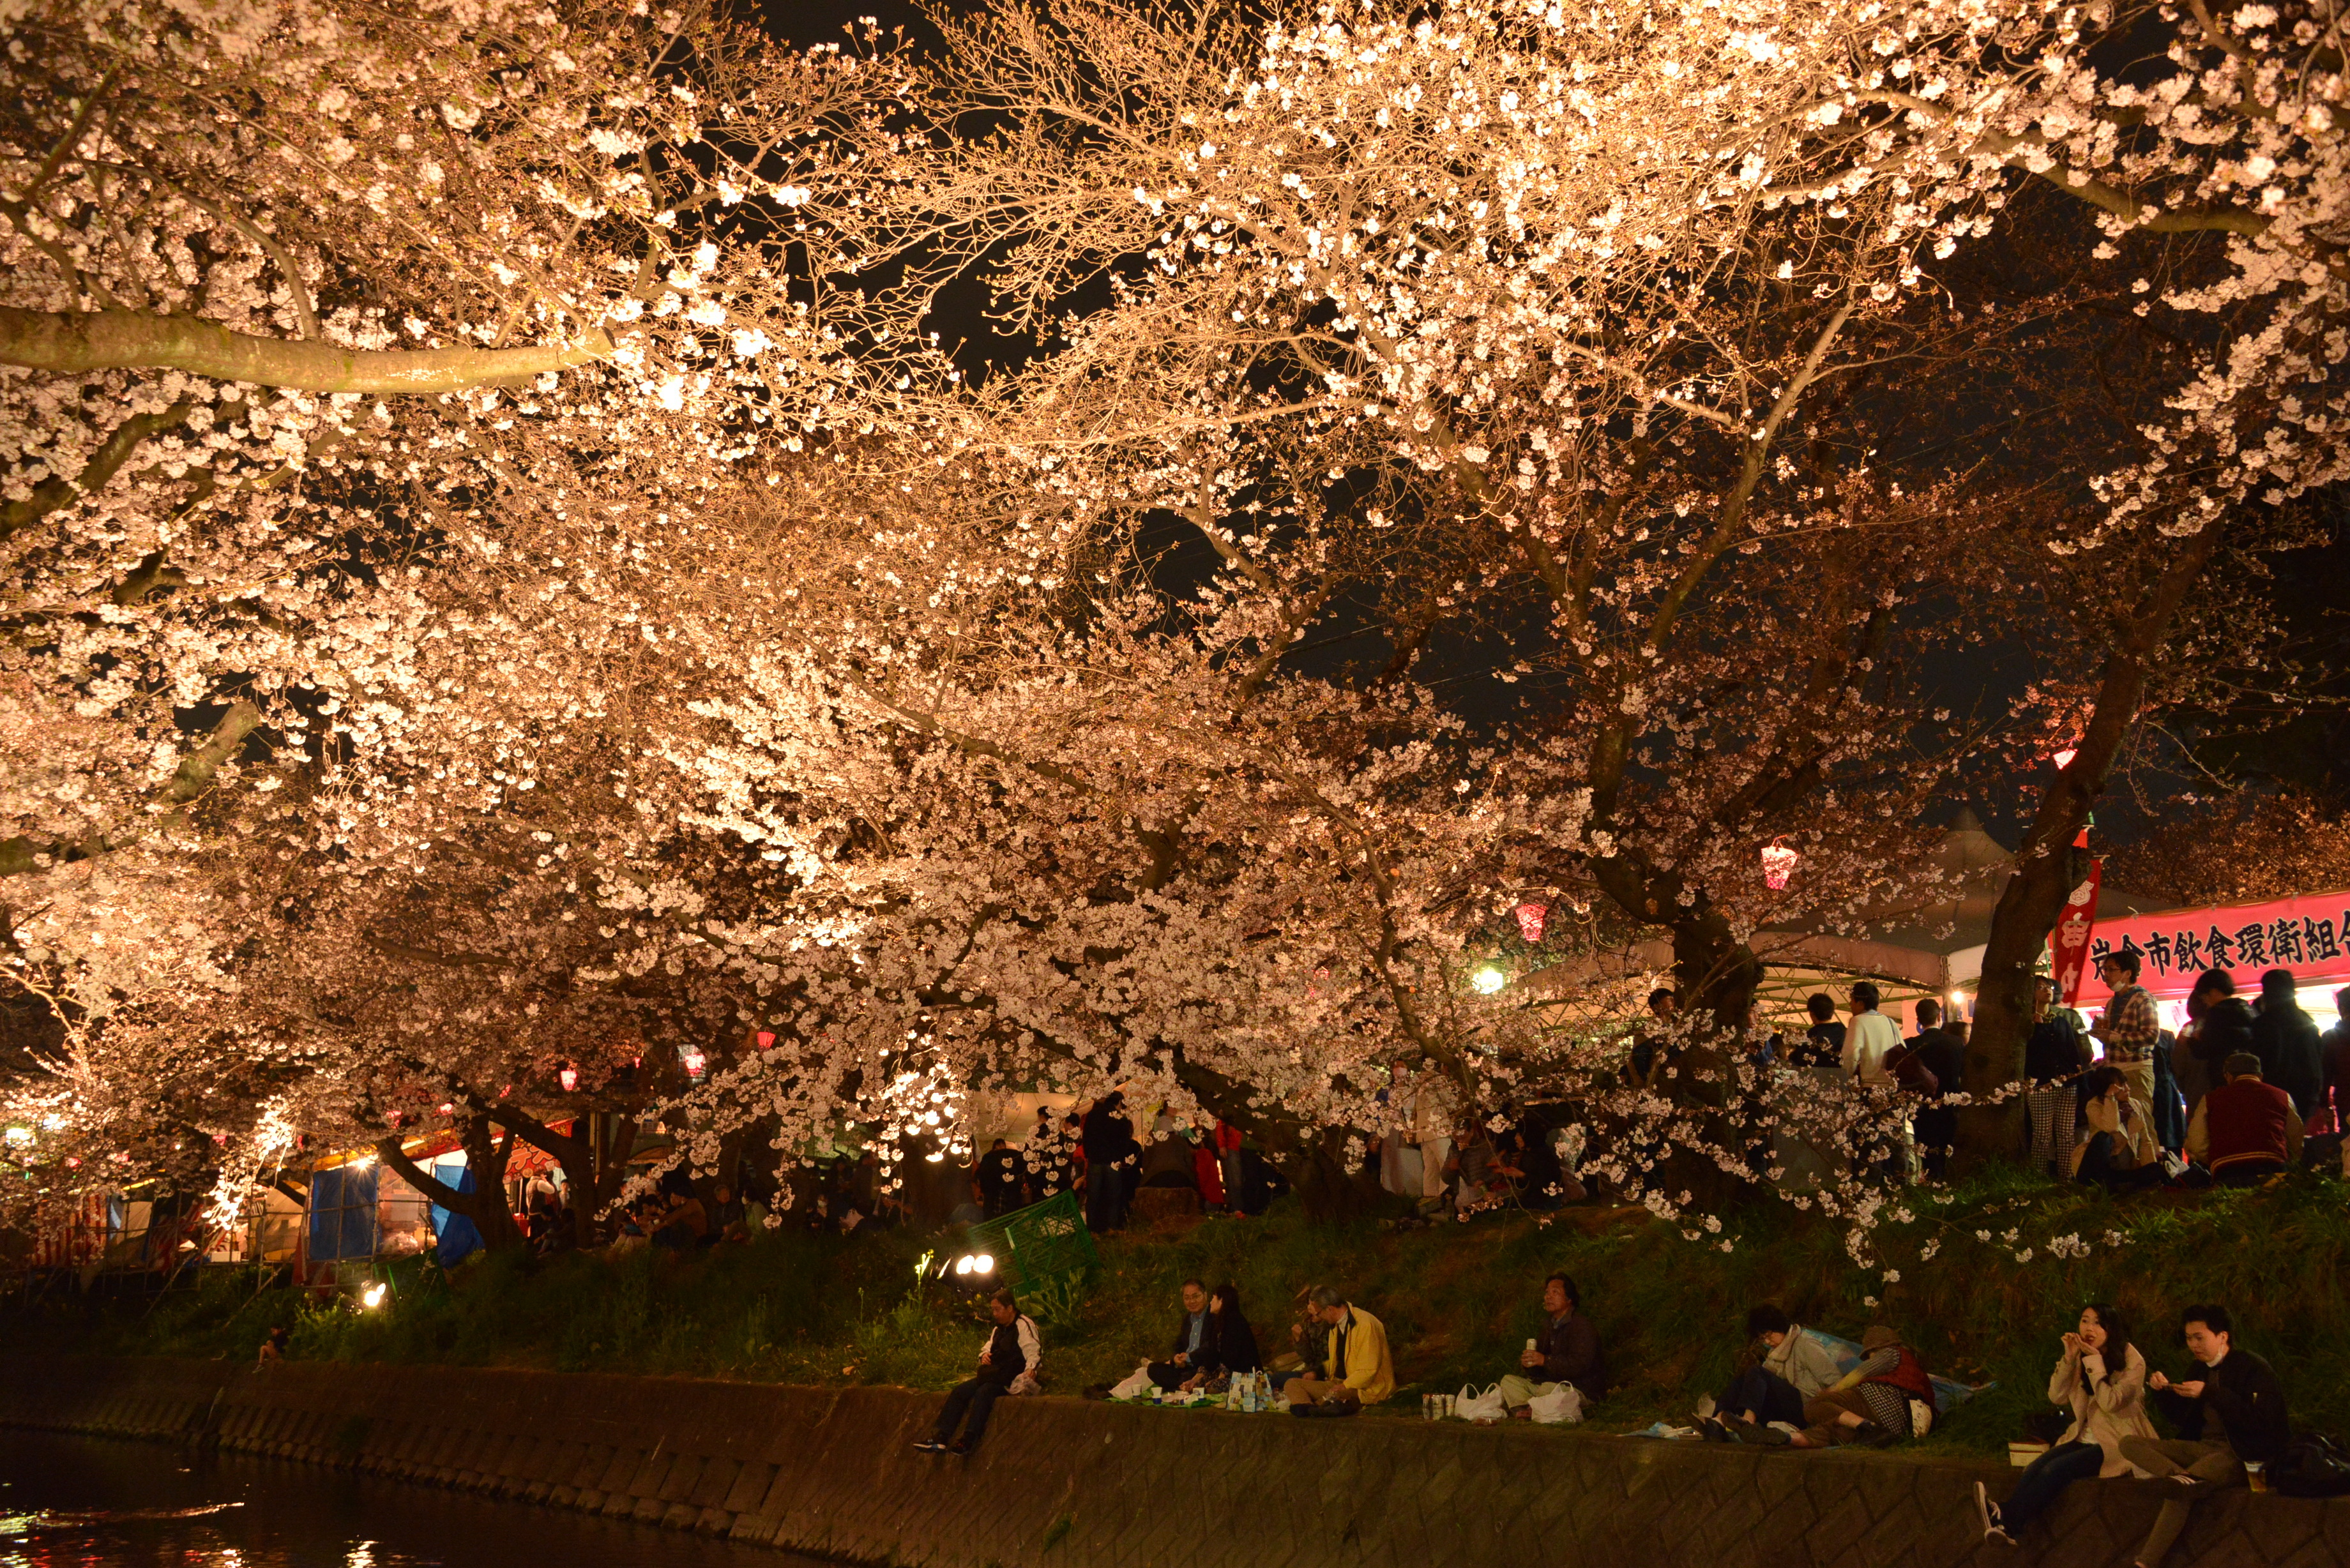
2101	1379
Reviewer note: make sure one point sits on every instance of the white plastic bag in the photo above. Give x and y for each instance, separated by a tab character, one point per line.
1138	1385
1921	1417
1473	1405
1563	1403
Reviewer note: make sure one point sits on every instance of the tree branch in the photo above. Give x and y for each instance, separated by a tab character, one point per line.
73	341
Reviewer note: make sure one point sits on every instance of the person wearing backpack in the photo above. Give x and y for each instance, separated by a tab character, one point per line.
2101	1379
2230	1415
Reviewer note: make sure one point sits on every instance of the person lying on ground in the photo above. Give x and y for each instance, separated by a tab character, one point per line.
2246	1130
1870	1404
1782	1369
1566	1351
1192	1341
1354	1369
2101	1377
2232	1414
1008	1364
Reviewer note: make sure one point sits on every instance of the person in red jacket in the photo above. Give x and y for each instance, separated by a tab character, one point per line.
2246	1130
1872	1403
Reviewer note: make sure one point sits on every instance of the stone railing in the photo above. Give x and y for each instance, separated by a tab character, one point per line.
1060	1483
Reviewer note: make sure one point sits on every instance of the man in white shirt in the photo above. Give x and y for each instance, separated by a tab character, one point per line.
1865	1043
1870	1037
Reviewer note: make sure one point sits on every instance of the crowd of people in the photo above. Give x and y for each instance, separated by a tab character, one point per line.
1789	1390
2242	1093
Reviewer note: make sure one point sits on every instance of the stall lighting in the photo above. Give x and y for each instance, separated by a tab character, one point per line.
20	1134
696	1064
1489	980
974	1263
2064	758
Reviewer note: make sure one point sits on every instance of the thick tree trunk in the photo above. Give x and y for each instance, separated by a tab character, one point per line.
592	1177
1330	1185
2035	896
485	1206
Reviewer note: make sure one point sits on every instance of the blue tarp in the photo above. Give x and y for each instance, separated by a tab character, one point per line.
459	1236
342	1213
1947	1394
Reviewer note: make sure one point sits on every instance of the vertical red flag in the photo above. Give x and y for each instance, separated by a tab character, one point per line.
2068	947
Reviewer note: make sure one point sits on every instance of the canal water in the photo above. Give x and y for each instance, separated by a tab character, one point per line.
84	1503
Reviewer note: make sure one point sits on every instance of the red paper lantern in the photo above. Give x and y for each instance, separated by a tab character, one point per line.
569	1077
1778	865
1530	921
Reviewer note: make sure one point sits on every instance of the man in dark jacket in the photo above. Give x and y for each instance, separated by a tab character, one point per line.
1007	1363
2233	1413
2336	1045
1194	1340
1946	1058
998	1180
2285	1039
1109	1149
1566	1351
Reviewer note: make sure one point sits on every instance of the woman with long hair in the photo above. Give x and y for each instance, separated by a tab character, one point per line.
1231	1344
2101	1379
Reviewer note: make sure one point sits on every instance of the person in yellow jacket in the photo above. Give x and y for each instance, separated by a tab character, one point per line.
1357	1369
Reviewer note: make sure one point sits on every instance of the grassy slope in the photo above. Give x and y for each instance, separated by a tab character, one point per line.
1457	1300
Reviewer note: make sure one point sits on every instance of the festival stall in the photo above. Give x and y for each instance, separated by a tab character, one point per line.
2309	936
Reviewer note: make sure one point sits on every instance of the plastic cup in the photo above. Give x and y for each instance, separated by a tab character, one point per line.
2256	1475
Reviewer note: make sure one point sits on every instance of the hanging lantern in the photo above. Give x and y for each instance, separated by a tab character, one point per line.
2064	758
696	1064
1530	921
766	1037
568	1078
1778	865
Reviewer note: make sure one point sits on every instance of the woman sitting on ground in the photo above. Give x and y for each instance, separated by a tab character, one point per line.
2101	1378
1231	1343
2113	1140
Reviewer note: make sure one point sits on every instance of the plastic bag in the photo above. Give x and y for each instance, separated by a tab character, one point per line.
1563	1403
1474	1406
1138	1385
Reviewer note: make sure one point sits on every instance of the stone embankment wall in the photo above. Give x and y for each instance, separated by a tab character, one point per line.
1061	1484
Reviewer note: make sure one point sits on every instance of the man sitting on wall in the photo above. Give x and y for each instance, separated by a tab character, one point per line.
1566	1351
1194	1338
1008	1364
1355	1368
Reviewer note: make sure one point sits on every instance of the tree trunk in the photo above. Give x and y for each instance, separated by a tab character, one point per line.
2034	894
1329	1186
485	1206
590	1181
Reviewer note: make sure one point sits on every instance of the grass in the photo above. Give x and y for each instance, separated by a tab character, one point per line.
1457	1300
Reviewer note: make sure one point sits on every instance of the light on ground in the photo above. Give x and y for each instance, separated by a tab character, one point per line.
374	1295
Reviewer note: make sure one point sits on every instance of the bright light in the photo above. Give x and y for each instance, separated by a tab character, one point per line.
568	1078
962	1264
361	1162
374	1295
983	1264
1778	865
1489	980
20	1134
696	1064
936	1156
2064	758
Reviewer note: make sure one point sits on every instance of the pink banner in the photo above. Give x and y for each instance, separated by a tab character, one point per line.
2308	936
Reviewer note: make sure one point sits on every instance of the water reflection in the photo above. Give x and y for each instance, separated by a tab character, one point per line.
84	1503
